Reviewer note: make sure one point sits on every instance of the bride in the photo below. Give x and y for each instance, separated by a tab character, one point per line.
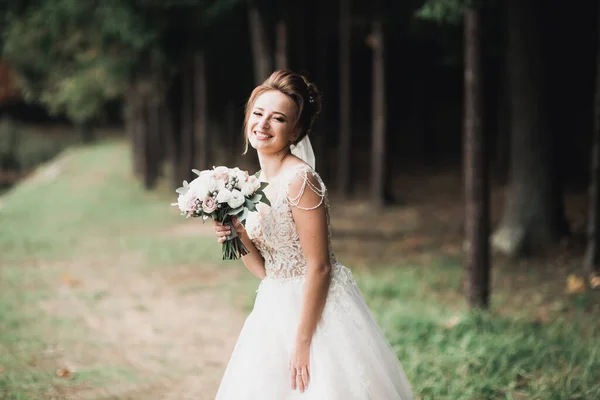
310	335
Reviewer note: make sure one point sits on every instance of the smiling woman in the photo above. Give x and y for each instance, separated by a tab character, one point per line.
310	331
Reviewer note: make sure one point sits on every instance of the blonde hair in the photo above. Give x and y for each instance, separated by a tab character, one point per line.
304	94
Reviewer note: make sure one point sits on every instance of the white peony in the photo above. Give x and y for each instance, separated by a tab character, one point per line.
222	173
184	201
199	187
241	176
236	199
210	182
224	196
247	189
251	186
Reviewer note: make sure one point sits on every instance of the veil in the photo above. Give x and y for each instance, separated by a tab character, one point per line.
304	151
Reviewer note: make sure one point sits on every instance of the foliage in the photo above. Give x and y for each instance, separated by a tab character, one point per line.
24	149
74	55
448	11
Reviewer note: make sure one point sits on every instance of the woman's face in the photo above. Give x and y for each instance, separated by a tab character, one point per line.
271	122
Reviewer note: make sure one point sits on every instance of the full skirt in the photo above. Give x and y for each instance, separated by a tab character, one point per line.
350	358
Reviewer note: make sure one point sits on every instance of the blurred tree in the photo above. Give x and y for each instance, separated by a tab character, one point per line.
477	210
591	261
533	216
73	56
379	109
345	144
281	36
475	163
261	53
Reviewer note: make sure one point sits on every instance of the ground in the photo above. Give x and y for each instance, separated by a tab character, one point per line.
107	293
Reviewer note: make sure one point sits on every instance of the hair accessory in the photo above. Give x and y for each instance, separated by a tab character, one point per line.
311	99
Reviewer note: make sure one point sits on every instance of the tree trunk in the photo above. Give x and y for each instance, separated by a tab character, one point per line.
200	113
502	153
85	131
591	262
475	170
324	127
130	108
258	40
300	35
531	221
170	134
187	144
152	142
281	36
379	114
136	129
345	103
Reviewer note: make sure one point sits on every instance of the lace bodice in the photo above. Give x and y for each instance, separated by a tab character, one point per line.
273	230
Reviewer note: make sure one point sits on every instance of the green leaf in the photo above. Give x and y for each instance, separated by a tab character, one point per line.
235	211
256	198
196	172
251	206
263	185
257	174
265	201
243	215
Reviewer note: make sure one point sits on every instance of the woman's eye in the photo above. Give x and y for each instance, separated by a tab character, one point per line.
257	113
279	119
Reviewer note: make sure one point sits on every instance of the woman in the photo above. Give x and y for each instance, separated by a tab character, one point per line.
310	334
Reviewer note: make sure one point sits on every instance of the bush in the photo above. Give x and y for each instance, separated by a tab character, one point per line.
23	148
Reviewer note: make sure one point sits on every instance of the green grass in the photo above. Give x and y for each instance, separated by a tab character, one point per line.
94	206
449	353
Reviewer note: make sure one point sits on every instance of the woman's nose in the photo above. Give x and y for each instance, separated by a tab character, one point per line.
263	122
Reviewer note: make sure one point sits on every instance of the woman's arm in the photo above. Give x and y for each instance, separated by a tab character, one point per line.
253	260
311	223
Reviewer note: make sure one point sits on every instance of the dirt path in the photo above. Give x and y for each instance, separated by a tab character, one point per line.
163	334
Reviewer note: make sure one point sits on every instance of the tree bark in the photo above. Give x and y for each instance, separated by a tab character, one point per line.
200	113
324	127
591	261
170	134
345	103
129	117
85	131
531	221
300	34
135	129
379	115
475	170
281	36
152	142
187	147
258	41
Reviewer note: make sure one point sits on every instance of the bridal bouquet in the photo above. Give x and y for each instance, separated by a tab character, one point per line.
222	193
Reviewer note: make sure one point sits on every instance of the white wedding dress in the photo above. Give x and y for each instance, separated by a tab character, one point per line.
350	358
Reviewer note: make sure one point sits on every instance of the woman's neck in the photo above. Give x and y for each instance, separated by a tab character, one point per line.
270	164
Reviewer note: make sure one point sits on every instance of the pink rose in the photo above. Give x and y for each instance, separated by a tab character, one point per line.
209	205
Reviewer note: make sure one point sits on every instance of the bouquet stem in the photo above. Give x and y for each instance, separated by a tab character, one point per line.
233	248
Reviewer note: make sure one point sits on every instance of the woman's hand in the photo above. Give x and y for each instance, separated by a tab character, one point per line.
223	231
299	367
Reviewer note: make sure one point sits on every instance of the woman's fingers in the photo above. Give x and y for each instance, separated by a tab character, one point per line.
222	231
305	377
293	377
299	382
299	378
